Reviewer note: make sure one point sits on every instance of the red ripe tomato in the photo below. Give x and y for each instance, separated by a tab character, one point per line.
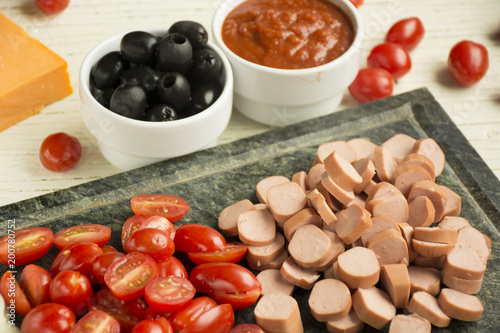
127	277
102	262
172	266
357	3
237	300
468	62
52	6
233	252
371	84
25	246
198	238
192	310
246	328
73	289
137	222
60	152
48	317
391	57
407	32
169	294
77	257
217	320
96	322
13	294
35	282
108	248
169	206
160	325
92	233
153	242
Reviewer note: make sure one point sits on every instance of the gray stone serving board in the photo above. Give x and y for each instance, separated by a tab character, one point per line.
212	179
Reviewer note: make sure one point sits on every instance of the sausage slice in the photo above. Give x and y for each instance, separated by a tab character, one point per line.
301	179
342	147
273	282
330	299
309	246
265	254
277	313
435	235
389	247
266	183
343	196
379	223
453	223
408	174
384	163
228	218
285	200
421	212
399	145
342	172
256	227
459	305
431	249
362	147
304	217
318	202
453	202
347	324
373	306
298	275
358	267
426	305
434	192
409	323
396	282
352	222
422	161
366	169
337	248
424	279
429	148
314	175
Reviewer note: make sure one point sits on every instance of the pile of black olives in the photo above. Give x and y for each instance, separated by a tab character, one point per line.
159	78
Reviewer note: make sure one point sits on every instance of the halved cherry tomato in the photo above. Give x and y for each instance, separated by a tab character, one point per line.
391	57
468	62
137	222
192	310
93	233
172	266
160	325
152	242
371	84
233	252
102	262
60	152
238	300
127	277
13	294
35	282
198	238
169	206
25	246
169	294
52	6
217	320
73	289
108	248
48	317
96	321
246	328
407	32
77	257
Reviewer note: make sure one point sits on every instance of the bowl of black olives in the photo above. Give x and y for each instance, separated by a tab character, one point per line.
153	94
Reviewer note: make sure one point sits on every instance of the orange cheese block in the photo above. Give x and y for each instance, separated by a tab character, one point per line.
32	75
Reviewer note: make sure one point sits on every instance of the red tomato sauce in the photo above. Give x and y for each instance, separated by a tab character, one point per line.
288	34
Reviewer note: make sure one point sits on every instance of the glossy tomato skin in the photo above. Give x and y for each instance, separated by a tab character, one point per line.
152	242
246	328
137	222
357	3
48	317
52	6
407	32
169	294
13	294
96	321
127	277
371	84
93	233
468	62
35	282
25	246
169	206
239	300
233	252
172	266
217	320
60	152
73	289
198	238
189	312
391	57
77	257
160	325
108	248
102	262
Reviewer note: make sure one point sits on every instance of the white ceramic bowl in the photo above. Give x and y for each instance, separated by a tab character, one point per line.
129	143
282	96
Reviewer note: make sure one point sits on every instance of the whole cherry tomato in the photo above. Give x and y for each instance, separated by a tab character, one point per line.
25	246
153	242
169	206
48	317
160	325
73	289
468	62
391	57
371	84
60	152
96	321
233	252
198	238
13	294
137	222
357	3
217	320
102	262
35	282
172	266
77	257
407	32
168	294
192	310
93	233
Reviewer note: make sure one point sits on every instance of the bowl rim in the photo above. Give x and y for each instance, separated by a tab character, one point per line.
352	13
84	84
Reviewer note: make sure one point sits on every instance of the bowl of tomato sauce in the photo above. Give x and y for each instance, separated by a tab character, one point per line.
292	60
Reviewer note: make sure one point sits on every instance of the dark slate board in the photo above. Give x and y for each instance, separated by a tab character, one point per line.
212	179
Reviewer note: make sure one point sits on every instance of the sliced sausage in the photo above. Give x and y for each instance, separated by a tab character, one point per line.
381	190
339	146
298	275
228	218
347	324
343	196
314	175
424	279
359	199
265	254
275	264
256	227
473	239
273	282
399	145
407	233
434	192
337	249
277	313
395	281
352	222
389	247
266	183
408	174
431	249
459	305
422	161
358	267
393	204
379	223
467	286
453	223
309	246
429	148
333	203
435	235
366	169
342	172
409	323
426	305
301	179
305	216
436	262
285	200
384	163
362	147
318	202
330	299
370	186
421	212
453	202
373	306
464	262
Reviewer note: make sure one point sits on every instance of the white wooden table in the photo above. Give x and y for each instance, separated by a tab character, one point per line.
71	34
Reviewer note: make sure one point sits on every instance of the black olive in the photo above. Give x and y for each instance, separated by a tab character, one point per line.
144	76
193	31
104	96
205	94
206	66
174	53
106	72
160	112
139	47
129	101
174	90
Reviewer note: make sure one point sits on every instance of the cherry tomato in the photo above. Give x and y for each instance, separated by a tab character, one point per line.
73	289
169	294
217	320
192	310
371	84
198	238
468	62
102	262
96	321
153	315
52	6
246	328
77	257
172	266
238	300
357	3
48	317
407	32
25	246
169	206
93	233
160	325
153	242
13	294
127	277
128	313
233	252
391	57
137	222
60	152
108	248
35	282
